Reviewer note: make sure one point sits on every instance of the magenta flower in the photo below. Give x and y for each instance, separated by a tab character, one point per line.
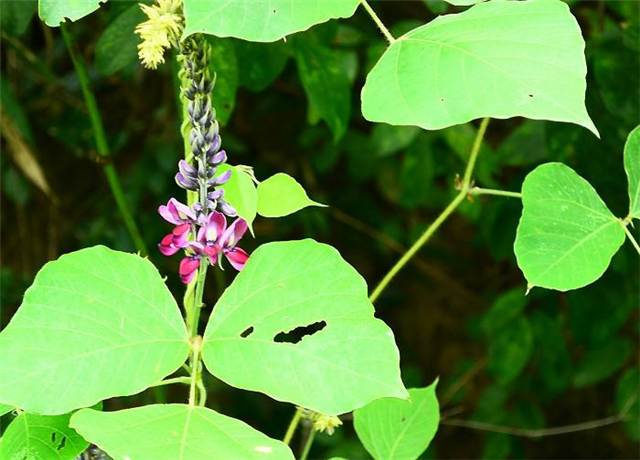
177	213
215	239
175	240
188	268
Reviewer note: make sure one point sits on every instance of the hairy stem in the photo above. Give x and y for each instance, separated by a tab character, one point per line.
185	380
196	344
489	191
101	143
378	22
292	426
539	433
307	444
630	235
460	197
193	321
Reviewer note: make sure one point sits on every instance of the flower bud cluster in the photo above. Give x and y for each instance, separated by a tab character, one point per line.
160	31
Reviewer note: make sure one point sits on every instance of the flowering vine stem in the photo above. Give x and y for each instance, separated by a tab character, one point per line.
378	22
489	191
460	197
101	144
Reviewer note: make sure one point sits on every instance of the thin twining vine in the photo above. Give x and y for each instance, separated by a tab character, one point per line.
102	146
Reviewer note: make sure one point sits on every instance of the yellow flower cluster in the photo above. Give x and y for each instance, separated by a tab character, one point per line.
160	31
324	423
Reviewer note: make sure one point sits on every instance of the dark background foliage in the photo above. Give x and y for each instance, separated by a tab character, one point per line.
457	310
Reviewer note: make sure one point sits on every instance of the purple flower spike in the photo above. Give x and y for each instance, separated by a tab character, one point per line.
218	158
187	170
186	182
216	194
176	213
227	209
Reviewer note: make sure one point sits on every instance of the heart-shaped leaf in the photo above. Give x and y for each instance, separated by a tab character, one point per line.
95	324
299	310
41	437
261	21
393	429
632	167
55	12
175	432
567	235
281	195
240	192
498	59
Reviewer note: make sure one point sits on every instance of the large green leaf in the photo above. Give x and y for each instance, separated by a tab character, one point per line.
41	437
602	362
297	325
95	324
567	235
281	195
261	63
632	167
118	45
175	432
261	21
55	12
498	59
326	84
5	409
393	429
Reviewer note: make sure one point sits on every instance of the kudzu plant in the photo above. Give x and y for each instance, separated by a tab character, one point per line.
297	323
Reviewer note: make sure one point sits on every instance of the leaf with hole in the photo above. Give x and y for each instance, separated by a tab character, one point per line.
175	432
41	437
95	324
567	235
498	59
632	168
393	429
55	12
240	192
261	21
299	310
281	195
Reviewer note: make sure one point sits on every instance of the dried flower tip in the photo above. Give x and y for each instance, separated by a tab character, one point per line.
159	32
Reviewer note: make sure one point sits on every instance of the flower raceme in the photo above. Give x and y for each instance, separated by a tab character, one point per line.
211	241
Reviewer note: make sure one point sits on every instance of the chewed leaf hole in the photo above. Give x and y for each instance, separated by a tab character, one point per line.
62	443
247	332
296	335
53	437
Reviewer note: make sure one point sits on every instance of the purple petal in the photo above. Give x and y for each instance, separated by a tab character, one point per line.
220	180
188	268
186	169
186	183
234	233
167	247
237	257
216	194
216	226
227	209
218	158
181	235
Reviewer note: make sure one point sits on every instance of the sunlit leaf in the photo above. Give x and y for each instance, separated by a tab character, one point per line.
261	21
41	437
632	167
55	12
95	324
299	310
281	195
240	192
567	235
175	432
498	59
5	409
393	429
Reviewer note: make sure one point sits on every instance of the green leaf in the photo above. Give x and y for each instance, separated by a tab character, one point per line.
386	139
326	84
261	63
41	437
393	429
498	59
299	310
118	45
16	16
510	350
567	235
632	167
5	409
55	12
95	324
281	195
506	308
602	362
225	67
175	432
261	21
240	192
